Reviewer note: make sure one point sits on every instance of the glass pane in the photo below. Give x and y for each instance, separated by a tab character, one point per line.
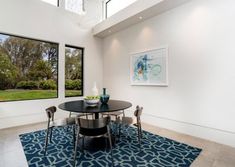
76	6
73	71
114	6
52	2
28	68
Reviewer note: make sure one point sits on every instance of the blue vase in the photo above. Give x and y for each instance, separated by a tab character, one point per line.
104	98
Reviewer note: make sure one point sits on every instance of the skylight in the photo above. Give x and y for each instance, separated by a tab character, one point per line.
52	2
76	6
114	6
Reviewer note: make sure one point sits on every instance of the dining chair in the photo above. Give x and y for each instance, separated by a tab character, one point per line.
92	128
129	121
51	123
115	114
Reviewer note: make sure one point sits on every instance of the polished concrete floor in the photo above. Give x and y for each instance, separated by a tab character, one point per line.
213	154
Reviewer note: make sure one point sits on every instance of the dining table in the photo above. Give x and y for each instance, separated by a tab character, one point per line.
80	106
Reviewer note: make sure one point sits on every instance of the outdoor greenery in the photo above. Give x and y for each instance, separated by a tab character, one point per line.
73	71
72	93
10	95
28	68
7	95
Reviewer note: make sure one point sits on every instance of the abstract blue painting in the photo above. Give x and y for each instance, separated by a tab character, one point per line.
149	67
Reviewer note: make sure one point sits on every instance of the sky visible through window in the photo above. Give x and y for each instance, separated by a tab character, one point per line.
52	2
114	6
75	6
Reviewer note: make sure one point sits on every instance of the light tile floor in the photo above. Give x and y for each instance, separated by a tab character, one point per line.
213	154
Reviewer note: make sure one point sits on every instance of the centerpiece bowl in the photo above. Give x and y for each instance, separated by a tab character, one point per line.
92	101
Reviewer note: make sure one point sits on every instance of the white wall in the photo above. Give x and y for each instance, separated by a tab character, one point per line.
200	98
36	19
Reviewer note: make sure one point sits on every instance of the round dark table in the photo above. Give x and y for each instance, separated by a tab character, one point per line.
80	106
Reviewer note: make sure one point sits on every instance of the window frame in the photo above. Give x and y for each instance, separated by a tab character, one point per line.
82	62
106	9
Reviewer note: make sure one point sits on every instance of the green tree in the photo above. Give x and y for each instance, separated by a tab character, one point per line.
50	53
23	53
8	72
73	63
40	71
27	54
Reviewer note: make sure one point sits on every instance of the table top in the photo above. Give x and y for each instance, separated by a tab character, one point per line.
81	107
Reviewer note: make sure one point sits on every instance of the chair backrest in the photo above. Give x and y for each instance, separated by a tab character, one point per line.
138	111
93	123
50	112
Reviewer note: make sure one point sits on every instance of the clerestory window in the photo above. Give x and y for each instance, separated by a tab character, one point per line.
76	6
52	2
114	6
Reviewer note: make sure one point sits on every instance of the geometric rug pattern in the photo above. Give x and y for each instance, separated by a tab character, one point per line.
156	151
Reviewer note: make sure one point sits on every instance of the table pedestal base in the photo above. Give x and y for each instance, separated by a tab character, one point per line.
95	144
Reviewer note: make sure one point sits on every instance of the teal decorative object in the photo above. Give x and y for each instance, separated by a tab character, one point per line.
104	98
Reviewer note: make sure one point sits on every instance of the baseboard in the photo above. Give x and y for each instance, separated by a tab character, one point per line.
208	133
26	119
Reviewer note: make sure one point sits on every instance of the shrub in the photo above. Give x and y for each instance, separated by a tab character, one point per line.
48	84
73	84
21	85
27	85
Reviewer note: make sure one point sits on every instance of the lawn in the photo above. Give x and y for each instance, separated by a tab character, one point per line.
16	94
72	93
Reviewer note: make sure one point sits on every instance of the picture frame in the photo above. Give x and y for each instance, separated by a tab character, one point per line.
149	67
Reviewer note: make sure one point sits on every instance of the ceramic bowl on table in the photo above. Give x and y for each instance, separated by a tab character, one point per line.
91	101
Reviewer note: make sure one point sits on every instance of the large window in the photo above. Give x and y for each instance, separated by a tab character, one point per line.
114	6
73	71
28	68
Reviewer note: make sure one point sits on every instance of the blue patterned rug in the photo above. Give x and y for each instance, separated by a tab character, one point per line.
156	151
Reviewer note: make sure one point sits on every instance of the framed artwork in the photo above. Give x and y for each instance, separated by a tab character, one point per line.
149	67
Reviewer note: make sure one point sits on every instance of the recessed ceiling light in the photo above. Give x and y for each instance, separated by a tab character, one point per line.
140	17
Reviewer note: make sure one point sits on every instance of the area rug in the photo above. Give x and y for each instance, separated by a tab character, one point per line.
156	151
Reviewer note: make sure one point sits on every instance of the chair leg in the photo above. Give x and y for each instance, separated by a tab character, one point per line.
127	132
139	136
74	134
51	129
83	143
46	141
110	143
76	146
141	132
